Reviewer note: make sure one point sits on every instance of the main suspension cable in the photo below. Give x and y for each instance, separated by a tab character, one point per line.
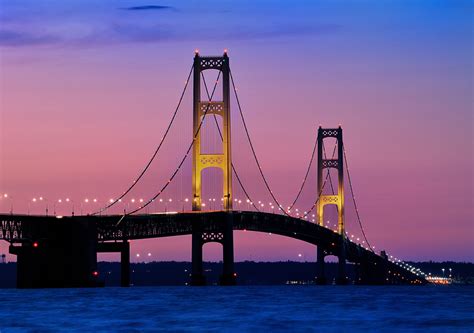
306	175
182	161
222	138
328	175
135	182
354	201
252	148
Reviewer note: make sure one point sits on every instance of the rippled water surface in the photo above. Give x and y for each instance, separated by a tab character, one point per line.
283	308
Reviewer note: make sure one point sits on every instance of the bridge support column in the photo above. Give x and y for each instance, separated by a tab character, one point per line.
363	275
62	253
228	277
341	265
320	272
197	274
125	264
341	270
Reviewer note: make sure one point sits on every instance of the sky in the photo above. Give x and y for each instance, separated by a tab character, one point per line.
87	88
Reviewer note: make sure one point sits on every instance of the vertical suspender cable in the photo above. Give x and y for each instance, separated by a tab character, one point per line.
182	160
156	150
306	175
232	164
252	148
354	201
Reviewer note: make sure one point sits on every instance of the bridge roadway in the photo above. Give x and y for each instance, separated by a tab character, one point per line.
111	233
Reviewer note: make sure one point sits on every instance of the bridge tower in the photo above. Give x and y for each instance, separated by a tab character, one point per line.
202	161
334	199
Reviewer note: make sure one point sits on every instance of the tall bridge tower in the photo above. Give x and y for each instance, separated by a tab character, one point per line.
224	229
325	163
336	199
219	108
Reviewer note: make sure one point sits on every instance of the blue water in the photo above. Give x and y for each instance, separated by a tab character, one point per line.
240	309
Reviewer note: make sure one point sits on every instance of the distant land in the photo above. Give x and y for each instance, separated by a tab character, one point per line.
248	272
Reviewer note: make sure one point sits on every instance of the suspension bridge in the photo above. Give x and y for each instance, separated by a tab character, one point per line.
61	251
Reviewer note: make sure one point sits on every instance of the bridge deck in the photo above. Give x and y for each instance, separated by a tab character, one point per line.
24	228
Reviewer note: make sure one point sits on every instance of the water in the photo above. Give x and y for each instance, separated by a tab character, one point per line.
240	309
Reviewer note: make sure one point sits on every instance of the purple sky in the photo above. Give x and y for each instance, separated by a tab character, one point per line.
87	90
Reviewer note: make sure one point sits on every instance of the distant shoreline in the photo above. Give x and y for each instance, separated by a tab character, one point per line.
248	272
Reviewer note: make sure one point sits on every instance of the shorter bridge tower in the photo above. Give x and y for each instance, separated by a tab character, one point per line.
334	199
224	234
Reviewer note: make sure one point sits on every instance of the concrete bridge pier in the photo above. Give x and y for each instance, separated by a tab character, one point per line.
341	270
320	272
223	235
59	254
228	277
125	264
124	248
197	273
341	278
362	273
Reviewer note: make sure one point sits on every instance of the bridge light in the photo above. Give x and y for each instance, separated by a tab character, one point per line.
225	51
196	51
149	254
34	200
111	200
35	244
95	200
95	273
86	200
